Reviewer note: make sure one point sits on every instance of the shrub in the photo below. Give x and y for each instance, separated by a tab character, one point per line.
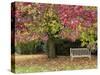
29	47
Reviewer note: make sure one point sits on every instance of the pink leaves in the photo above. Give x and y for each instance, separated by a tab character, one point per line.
68	15
89	17
72	15
44	37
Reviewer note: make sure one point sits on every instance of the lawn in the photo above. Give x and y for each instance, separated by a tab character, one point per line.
41	63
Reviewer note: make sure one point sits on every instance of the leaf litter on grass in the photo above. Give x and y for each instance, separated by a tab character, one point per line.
41	63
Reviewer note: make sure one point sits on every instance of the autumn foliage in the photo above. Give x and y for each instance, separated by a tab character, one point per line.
39	20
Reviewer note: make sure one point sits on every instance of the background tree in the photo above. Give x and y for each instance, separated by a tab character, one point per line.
47	22
80	23
52	27
88	36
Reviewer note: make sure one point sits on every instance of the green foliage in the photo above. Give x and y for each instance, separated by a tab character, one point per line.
88	36
63	46
27	47
51	23
45	20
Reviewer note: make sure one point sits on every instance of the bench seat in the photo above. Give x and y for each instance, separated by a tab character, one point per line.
80	52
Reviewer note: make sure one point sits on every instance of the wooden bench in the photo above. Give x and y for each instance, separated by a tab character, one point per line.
79	52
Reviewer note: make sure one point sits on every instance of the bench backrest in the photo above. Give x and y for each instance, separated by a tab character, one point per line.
79	51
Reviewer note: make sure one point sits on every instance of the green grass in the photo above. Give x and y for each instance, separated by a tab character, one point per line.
43	68
40	63
27	69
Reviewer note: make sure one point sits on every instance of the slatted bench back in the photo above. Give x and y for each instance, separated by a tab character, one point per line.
80	52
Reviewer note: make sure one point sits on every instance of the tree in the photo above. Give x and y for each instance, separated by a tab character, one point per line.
88	36
52	27
47	21
33	21
80	23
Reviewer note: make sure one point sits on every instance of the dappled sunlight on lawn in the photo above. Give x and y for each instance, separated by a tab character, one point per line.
41	63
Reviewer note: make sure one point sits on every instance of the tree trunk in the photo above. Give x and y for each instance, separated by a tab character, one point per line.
51	48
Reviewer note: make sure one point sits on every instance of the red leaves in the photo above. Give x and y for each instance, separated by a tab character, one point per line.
68	15
89	17
17	13
20	27
73	36
71	15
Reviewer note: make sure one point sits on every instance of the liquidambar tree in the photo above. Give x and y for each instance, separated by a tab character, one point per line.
47	22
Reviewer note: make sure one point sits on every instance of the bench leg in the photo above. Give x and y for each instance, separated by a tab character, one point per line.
90	58
71	58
